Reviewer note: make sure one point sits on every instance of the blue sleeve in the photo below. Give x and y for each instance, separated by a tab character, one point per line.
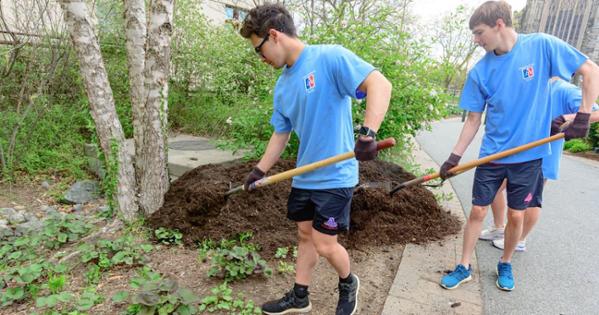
565	59
280	123
472	98
573	99
349	71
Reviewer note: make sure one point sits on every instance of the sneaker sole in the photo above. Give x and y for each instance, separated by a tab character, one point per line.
519	250
500	287
292	310
357	294
484	238
457	285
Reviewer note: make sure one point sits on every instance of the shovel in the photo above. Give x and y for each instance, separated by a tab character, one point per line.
472	164
381	145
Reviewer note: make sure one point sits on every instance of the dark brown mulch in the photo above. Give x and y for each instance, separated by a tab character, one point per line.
195	205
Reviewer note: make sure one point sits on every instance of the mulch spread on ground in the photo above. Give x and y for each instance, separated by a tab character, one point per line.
195	205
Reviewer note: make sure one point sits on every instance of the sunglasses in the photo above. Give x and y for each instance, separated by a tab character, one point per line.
258	49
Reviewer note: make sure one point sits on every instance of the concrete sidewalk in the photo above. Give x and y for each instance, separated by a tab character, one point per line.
416	289
188	152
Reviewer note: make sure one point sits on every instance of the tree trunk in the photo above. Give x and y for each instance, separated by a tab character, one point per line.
154	180
101	101
135	32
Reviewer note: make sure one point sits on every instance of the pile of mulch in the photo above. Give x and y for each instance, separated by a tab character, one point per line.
196	206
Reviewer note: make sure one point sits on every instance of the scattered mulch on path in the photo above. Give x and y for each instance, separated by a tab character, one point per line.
195	205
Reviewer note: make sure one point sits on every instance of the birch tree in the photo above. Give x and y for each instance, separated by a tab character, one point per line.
148	54
152	157
103	111
135	35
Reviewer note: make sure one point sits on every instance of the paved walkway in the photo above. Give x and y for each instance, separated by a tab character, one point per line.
558	273
416	287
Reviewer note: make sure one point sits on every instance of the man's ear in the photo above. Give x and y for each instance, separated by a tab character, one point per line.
274	35
500	23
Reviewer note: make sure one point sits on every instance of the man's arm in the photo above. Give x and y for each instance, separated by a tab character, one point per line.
590	85
468	132
378	95
594	117
275	147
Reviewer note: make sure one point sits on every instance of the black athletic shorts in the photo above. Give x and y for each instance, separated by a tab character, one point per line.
524	184
327	208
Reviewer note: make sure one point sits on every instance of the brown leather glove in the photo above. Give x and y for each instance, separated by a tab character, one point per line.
556	124
451	162
365	149
255	174
579	127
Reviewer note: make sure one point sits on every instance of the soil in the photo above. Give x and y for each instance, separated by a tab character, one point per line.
196	205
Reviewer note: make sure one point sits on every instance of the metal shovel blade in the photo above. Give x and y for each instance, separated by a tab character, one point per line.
386	186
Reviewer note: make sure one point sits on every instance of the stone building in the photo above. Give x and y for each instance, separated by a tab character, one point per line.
574	21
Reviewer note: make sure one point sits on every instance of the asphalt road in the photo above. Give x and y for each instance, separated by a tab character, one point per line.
559	272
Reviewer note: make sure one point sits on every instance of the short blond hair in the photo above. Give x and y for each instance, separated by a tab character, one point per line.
489	12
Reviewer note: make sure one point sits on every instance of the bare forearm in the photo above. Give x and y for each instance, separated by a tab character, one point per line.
590	85
594	116
468	132
275	147
378	95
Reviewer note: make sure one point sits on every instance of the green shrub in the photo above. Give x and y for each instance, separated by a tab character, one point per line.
594	135
577	145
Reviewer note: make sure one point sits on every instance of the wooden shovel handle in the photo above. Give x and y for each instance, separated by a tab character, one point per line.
381	145
472	164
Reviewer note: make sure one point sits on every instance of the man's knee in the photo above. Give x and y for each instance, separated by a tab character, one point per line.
478	213
515	216
304	231
324	249
304	236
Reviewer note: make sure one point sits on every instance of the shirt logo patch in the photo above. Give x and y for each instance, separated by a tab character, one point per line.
528	72
310	82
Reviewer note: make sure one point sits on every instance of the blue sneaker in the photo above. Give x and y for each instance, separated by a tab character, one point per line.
505	279
456	277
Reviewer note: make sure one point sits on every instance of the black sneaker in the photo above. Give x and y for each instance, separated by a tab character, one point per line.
290	303
348	297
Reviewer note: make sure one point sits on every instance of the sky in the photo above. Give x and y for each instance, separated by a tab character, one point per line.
433	9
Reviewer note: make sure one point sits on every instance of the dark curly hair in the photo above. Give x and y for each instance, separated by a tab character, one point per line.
265	17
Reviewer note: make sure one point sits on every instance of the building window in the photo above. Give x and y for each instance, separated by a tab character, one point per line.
234	13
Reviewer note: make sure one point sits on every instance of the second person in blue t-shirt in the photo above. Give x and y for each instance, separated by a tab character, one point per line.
511	83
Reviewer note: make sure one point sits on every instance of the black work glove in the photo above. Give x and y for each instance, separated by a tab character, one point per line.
451	162
579	127
255	174
365	149
556	124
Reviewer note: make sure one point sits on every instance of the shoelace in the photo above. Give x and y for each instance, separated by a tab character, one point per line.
289	297
505	271
460	271
345	290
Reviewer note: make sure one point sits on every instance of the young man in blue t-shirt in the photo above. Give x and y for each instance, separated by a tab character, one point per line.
564	100
511	83
312	98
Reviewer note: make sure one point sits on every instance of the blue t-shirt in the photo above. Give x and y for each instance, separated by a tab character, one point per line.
513	87
565	98
313	98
